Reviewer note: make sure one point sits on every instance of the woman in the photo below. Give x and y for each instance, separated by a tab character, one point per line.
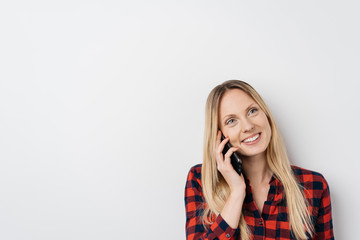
271	199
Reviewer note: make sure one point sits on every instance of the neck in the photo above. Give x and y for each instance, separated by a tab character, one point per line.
256	169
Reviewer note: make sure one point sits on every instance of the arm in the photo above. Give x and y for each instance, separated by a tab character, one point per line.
324	226
194	205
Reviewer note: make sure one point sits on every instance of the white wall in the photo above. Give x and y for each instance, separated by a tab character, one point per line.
102	106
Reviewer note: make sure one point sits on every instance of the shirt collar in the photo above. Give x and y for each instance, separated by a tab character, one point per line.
274	181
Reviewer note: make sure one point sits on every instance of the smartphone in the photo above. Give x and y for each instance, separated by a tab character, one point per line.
236	161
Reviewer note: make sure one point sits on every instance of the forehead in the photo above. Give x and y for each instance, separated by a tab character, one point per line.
234	101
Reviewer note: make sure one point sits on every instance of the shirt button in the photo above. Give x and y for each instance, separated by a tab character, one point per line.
228	235
261	222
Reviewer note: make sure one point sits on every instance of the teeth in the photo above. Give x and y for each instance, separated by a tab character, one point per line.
252	139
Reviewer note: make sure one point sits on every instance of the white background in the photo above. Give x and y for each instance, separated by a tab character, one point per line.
102	106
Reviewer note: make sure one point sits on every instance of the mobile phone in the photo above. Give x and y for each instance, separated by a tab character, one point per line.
236	161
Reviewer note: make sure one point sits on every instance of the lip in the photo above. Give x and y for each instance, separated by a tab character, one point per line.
254	142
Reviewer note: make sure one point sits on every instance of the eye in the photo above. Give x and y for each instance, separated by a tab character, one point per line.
229	121
255	109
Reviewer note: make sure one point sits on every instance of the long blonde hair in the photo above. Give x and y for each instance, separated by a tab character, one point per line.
215	188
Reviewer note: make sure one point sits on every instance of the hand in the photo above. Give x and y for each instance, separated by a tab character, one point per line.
233	179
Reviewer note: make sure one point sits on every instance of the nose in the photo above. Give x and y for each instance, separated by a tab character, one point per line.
247	125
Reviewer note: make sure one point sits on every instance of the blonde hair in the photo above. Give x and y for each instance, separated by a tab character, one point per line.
215	188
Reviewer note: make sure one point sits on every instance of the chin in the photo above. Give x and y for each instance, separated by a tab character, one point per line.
254	153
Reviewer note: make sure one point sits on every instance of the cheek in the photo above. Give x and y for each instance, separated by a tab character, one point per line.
266	125
268	131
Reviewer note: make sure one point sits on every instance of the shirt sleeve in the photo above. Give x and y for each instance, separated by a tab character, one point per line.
324	225
194	206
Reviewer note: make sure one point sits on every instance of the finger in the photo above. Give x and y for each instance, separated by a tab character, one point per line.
219	153
229	153
219	159
218	138
222	144
217	143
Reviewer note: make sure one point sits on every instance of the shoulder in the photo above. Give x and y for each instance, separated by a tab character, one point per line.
316	191
309	179
306	173
194	176
195	171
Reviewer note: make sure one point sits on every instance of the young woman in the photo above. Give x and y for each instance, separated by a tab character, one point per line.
271	199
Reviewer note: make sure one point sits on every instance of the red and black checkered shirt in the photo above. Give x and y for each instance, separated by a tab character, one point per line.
273	222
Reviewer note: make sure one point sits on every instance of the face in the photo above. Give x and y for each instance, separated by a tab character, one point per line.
241	118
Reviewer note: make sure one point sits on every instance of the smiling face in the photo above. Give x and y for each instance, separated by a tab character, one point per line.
247	126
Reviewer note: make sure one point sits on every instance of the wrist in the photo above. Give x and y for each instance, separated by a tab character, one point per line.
237	194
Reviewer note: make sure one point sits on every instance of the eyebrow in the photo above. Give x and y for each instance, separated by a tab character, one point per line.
234	115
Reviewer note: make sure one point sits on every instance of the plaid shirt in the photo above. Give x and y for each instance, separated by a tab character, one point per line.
273	222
